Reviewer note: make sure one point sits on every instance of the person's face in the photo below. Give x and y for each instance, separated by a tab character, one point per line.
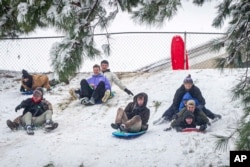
96	70
104	66
189	121
140	101
191	108
188	86
37	98
25	79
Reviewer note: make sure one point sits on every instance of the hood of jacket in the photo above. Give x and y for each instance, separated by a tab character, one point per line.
145	98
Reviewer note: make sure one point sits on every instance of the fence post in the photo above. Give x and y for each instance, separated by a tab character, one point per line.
185	37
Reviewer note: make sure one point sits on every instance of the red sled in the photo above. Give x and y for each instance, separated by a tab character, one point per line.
179	57
191	130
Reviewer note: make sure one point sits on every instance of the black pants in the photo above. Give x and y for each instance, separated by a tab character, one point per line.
169	113
87	91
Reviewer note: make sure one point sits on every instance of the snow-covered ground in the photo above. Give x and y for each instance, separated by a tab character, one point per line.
84	137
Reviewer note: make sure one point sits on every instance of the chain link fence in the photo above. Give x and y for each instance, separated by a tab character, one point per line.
130	51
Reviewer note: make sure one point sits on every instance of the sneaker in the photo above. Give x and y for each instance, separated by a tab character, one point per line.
115	125
106	96
48	124
160	121
91	101
52	126
29	130
12	125
73	94
84	100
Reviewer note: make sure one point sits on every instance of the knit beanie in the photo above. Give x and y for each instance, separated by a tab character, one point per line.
25	74
188	79
37	93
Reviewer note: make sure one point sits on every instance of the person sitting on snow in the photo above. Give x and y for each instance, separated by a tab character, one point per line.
190	117
31	82
135	116
187	86
17	122
36	112
112	77
95	89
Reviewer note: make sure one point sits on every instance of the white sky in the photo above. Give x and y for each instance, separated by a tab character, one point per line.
84	135
189	18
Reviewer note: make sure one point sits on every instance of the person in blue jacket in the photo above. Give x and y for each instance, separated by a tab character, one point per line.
95	89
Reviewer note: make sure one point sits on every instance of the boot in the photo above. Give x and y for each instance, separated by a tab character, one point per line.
29	130
115	125
106	96
12	125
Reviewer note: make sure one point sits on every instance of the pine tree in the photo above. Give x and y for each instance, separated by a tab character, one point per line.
237	43
78	20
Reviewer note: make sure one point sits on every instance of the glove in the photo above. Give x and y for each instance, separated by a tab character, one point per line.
18	108
203	127
128	92
167	129
22	89
178	129
144	127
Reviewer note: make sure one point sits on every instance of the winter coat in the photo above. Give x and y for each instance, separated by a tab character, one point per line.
133	109
180	121
47	106
112	77
199	116
37	80
185	98
35	108
194	92
96	79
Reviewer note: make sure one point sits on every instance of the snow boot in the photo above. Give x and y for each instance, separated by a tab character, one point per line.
29	130
12	125
115	125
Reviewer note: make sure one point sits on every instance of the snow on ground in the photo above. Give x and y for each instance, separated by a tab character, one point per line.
84	137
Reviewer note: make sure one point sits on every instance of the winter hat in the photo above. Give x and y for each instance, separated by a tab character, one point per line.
37	93
188	79
40	89
188	114
25	74
191	103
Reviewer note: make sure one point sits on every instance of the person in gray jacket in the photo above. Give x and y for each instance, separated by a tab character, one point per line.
112	77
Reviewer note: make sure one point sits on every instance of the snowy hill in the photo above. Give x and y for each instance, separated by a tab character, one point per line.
84	138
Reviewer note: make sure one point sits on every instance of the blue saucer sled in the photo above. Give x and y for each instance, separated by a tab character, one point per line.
122	134
27	92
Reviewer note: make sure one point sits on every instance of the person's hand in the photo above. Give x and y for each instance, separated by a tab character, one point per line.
179	129
18	108
22	89
128	92
203	127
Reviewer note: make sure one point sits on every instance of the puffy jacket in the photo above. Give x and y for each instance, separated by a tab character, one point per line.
185	98
133	109
96	79
37	80
36	108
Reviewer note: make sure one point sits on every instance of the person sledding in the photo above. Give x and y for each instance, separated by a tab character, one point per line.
31	82
94	90
189	117
187	87
134	118
36	112
112	77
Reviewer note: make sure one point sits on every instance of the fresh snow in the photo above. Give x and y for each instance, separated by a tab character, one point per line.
84	136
